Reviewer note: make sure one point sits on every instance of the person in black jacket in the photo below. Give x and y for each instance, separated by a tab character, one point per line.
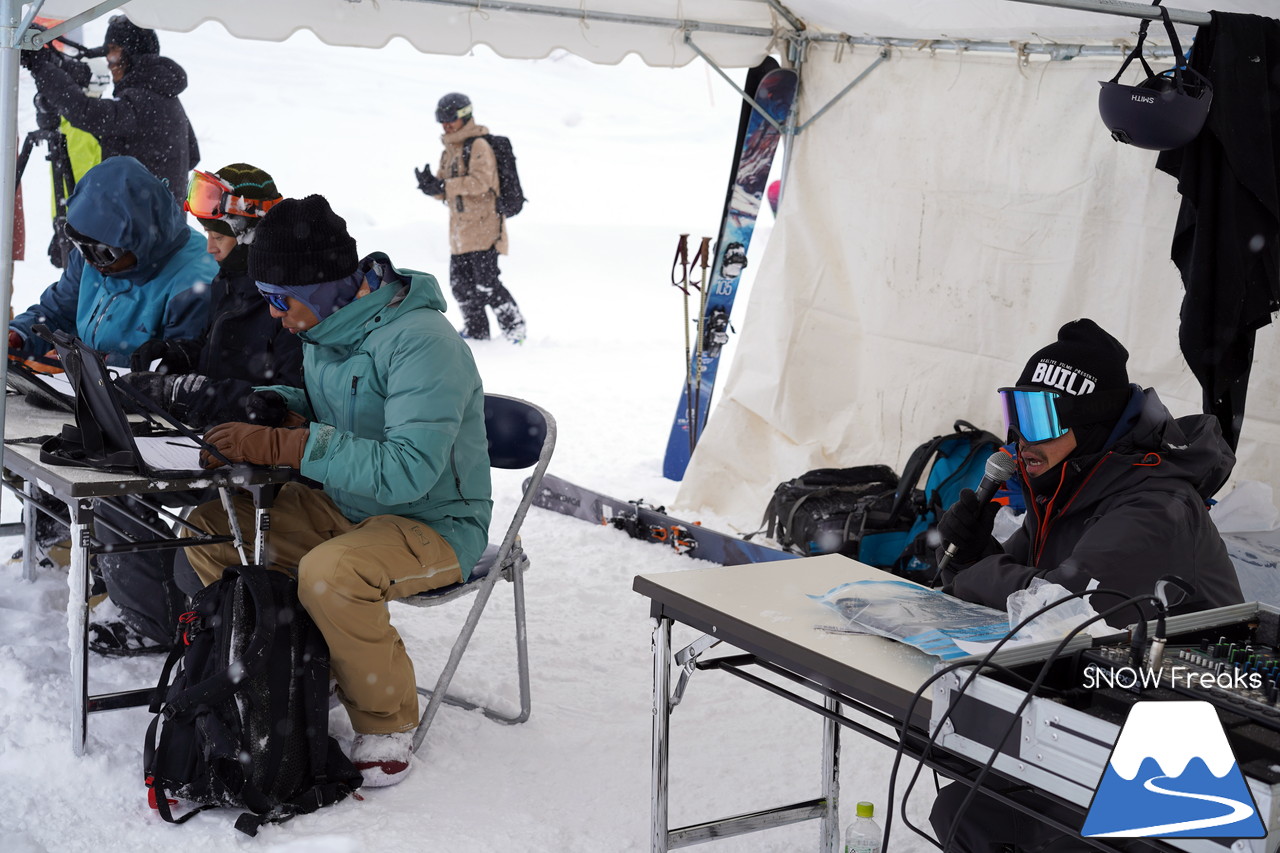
203	381
1116	492
210	379
144	119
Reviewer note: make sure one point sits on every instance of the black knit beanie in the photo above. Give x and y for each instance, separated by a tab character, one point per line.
1086	366
247	182
131	38
301	242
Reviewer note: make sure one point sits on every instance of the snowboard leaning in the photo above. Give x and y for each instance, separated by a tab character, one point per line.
652	524
775	94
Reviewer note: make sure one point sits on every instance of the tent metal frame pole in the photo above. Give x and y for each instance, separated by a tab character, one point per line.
1125	9
688	39
607	17
9	20
34	39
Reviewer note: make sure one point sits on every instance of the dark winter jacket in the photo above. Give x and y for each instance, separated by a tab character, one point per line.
145	119
397	411
1136	514
243	347
164	296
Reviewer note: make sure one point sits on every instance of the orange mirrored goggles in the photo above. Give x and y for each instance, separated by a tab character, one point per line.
210	197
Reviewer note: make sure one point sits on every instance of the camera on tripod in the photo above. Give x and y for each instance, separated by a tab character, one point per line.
47	131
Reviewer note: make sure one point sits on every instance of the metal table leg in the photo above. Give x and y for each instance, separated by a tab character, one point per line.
830	842
78	619
29	516
661	724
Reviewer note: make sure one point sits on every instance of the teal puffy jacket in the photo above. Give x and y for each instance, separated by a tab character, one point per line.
397	411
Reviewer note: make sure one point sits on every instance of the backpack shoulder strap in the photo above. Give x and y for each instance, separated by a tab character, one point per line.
466	149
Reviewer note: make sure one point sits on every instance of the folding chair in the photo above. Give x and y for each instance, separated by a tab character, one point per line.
521	435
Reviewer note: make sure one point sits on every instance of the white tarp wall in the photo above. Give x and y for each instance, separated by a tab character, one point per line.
940	222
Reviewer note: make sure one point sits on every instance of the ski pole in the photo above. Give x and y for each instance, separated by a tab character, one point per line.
681	263
702	259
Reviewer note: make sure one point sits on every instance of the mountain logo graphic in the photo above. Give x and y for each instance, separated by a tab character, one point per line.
1172	775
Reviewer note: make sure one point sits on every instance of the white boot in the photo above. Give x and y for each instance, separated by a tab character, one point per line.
382	759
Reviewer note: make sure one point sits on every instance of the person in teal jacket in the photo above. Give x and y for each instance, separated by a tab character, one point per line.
391	424
138	270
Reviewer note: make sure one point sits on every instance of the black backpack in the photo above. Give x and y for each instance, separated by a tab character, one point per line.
871	514
823	511
510	196
244	721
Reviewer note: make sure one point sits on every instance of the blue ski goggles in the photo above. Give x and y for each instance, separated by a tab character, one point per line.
273	296
1031	415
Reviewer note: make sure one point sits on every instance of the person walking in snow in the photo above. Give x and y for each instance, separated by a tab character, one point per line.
392	428
144	119
1116	490
467	182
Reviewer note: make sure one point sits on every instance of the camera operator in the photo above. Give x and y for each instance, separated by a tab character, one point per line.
144	119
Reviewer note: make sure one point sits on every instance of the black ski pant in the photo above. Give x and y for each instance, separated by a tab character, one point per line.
473	278
140	583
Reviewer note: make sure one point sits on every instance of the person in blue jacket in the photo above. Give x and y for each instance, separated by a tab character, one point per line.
138	271
391	425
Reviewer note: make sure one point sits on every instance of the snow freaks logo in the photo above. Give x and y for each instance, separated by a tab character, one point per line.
1172	775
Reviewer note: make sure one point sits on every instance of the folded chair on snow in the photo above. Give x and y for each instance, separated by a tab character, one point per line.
521	435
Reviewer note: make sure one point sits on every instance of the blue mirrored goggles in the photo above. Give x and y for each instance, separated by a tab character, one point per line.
277	300
1031	415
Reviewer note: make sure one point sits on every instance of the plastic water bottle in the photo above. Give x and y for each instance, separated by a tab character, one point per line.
863	834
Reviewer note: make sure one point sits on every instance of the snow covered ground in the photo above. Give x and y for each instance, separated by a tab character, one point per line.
616	162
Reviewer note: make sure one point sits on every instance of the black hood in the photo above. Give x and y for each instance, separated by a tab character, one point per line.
158	74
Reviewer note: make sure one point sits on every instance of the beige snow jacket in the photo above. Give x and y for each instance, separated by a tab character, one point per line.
471	194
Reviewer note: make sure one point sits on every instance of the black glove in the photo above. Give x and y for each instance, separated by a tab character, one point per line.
147	353
176	356
429	183
967	525
157	386
30	59
265	408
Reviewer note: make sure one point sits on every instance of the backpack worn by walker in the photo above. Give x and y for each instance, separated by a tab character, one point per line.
510	196
244	721
871	514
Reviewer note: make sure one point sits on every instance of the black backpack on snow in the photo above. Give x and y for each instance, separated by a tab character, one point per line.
244	721
510	196
871	514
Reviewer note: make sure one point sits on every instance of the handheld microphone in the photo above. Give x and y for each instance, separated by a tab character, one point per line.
1000	467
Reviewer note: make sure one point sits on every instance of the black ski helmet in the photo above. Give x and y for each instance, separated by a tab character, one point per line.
452	107
1165	111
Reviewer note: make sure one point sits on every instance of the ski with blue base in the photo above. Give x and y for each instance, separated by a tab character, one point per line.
651	524
775	94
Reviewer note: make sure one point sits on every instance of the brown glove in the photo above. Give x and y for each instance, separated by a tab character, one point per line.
257	445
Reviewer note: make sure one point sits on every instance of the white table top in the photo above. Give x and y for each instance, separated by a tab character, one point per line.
764	609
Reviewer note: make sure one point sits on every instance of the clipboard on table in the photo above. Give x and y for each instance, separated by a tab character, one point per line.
103	437
42	390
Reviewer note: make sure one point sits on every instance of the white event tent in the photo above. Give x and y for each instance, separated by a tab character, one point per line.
951	199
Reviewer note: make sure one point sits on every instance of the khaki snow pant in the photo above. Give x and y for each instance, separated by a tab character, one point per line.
346	574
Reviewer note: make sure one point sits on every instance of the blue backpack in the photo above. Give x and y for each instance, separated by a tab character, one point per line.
901	537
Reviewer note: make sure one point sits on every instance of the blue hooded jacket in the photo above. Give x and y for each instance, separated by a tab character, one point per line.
165	295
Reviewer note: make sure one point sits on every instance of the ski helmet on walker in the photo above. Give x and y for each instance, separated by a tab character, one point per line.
1165	111
452	107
